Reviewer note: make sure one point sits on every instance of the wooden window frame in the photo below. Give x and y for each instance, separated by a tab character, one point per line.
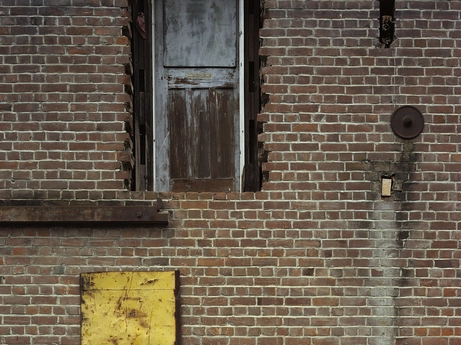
143	98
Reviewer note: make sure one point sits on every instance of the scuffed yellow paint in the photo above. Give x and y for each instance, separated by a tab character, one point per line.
128	308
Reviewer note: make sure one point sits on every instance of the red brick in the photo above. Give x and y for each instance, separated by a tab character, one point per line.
291	264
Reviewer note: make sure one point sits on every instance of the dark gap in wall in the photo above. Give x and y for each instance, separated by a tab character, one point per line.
386	22
251	148
142	139
126	31
141	42
142	81
402	236
252	96
128	183
251	76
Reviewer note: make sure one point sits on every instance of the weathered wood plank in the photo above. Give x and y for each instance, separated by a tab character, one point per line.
179	131
223	153
203	185
200	130
200	33
80	214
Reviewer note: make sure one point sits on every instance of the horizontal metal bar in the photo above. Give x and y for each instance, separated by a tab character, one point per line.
83	214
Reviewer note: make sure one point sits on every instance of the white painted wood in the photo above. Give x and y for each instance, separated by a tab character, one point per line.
162	169
241	41
222	69
200	33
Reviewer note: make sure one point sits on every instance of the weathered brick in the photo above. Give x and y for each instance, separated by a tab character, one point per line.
318	256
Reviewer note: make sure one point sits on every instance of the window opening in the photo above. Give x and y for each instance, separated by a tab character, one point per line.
196	95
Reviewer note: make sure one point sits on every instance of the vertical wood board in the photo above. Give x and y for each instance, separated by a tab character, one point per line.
203	133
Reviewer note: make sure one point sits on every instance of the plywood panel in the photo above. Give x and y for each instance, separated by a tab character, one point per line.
129	308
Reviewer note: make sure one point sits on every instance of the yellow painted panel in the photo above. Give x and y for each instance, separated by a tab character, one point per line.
134	280
128	308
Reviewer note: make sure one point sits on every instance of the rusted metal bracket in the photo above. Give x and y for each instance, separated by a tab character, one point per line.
123	215
407	122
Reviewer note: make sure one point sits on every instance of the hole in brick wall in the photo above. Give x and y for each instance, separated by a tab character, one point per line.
386	22
126	31
263	155
264	100
309	271
406	273
403	235
265	176
129	120
128	89
128	68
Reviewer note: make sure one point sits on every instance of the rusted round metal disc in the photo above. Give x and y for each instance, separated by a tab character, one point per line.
407	122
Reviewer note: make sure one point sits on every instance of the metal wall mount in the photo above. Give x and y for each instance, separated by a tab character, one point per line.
407	122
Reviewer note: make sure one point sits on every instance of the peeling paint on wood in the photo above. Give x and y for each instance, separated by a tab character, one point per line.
129	308
200	33
197	95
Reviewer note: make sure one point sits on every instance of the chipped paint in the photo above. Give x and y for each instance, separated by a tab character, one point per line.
129	308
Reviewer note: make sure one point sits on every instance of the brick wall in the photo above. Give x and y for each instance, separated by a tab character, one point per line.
63	100
318	257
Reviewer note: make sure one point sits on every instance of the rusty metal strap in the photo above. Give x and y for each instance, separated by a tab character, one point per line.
124	215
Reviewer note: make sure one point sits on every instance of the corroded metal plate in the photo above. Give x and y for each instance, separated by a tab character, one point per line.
407	122
129	308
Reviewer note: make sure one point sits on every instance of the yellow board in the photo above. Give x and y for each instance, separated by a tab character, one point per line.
128	308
